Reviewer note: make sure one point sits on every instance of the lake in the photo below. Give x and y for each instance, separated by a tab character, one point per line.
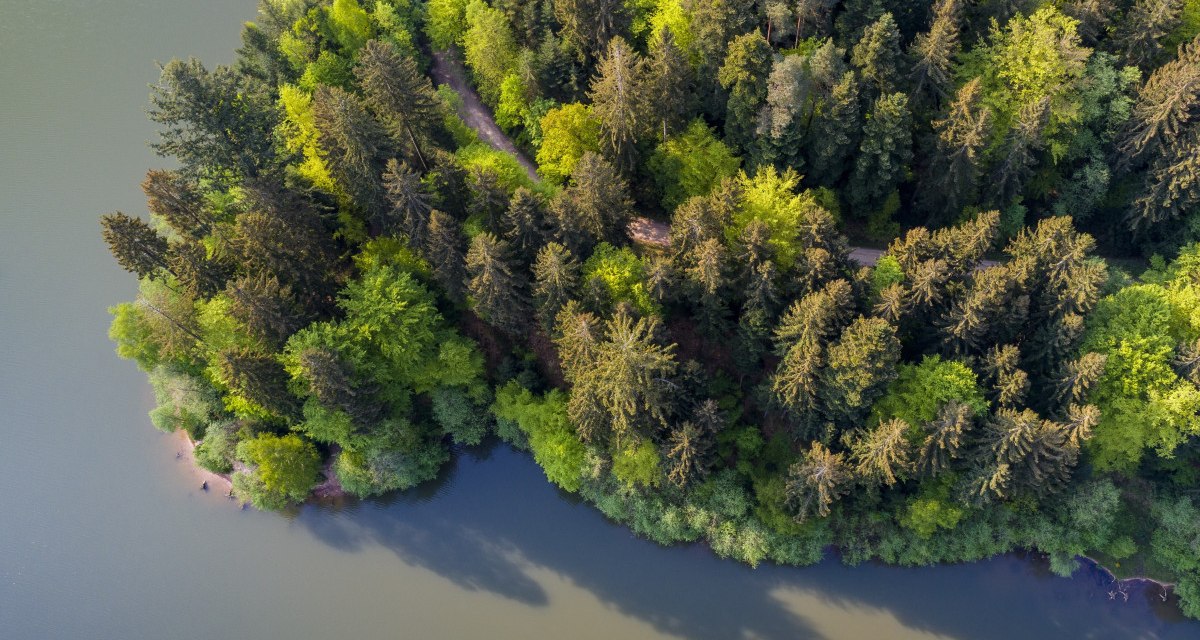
104	534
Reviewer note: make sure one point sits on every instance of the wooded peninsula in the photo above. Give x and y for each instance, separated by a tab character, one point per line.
353	269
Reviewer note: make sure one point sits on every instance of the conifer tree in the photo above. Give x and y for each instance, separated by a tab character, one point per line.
269	310
859	367
355	143
595	207
877	56
556	277
1023	141
744	76
1165	105
333	383
1009	383
814	483
884	154
138	248
1187	361
932	53
259	379
173	198
496	286
835	131
962	137
524	223
883	453
689	450
667	79
620	104
1144	27
410	204
1078	377
445	253
401	96
945	438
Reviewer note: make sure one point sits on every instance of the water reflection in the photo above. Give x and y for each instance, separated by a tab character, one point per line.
493	524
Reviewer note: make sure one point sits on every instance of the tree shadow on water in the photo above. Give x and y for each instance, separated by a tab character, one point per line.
492	521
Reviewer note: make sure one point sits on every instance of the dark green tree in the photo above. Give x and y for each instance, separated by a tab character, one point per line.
884	154
1144	27
497	287
174	199
138	248
524	223
962	136
594	207
260	379
620	104
743	75
932	54
401	96
945	439
356	145
445	251
667	78
878	57
267	309
410	203
556	278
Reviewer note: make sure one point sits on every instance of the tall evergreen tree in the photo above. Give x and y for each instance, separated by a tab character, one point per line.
497	286
556	277
172	197
884	154
962	137
138	248
595	206
1144	27
744	76
883	453
835	132
814	483
524	223
445	253
357	147
410	203
268	309
667	78
401	96
1166	103
945	438
932	53
878	57
620	104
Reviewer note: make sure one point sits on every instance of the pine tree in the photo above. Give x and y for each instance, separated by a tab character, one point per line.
877	56
259	379
1094	16
1187	361
174	199
689	450
962	136
835	131
667	79
595	207
333	383
706	273
1078	377
859	367
400	95
556	277
138	248
355	143
445	253
1165	105
1143	28
1037	454
496	286
884	154
269	310
1009	383
577	336
883	453
410	203
188	261
815	317
945	438
487	198
1017	163
1171	190
524	223
933	53
589	26
620	105
744	76
814	483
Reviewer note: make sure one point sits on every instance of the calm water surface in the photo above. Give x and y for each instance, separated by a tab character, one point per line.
104	535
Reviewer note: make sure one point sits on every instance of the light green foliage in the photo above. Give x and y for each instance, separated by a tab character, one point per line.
622	274
1143	402
328	69
921	390
134	335
283	470
299	132
932	509
513	108
184	401
690	164
552	438
508	169
446	22
671	14
218	450
887	272
1030	59
463	135
637	465
350	24
489	48
1175	543
386	466
770	197
568	132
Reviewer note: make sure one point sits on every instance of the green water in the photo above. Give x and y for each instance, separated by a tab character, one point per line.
103	534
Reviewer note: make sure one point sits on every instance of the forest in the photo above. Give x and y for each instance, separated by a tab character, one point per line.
341	281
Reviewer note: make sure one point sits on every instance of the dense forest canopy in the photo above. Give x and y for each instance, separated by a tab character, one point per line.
341	278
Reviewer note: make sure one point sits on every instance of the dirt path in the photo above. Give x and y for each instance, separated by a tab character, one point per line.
448	70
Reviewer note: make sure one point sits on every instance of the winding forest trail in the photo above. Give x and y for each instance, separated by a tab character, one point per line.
447	69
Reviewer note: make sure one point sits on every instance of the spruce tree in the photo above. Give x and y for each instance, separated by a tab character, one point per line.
174	199
814	483
932	53
356	145
556	277
444	249
884	153
667	80
945	438
1144	27
620	104
138	248
401	96
410	203
962	136
497	287
877	56
744	76
883	453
